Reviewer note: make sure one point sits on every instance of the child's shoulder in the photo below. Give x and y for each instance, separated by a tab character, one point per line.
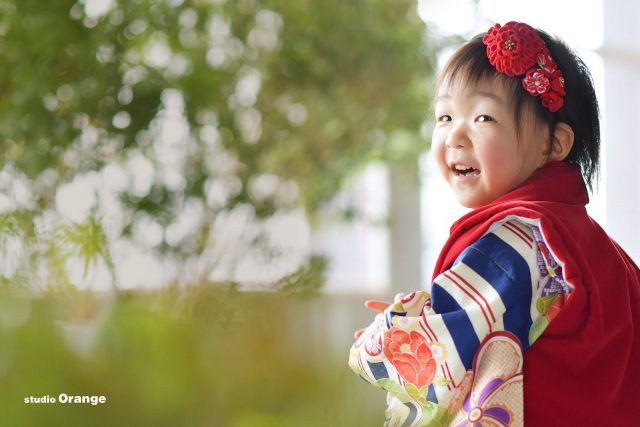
514	232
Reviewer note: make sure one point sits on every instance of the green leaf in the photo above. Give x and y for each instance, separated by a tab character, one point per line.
394	388
435	415
87	241
417	394
441	381
538	327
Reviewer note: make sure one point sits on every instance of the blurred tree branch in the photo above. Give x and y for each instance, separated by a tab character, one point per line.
267	103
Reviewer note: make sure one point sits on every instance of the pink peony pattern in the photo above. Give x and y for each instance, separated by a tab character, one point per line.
410	354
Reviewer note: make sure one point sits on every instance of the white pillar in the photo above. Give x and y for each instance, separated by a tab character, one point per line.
621	57
405	229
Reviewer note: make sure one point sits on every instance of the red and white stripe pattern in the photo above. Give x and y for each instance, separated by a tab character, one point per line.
480	301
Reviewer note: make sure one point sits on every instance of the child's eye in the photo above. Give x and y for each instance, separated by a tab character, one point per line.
484	118
444	118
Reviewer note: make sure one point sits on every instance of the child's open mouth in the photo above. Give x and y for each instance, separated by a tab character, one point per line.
464	170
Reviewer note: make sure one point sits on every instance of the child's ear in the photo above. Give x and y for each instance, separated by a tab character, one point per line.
561	141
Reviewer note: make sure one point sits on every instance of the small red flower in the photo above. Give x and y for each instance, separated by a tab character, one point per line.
517	49
411	356
536	82
513	48
557	83
546	62
552	101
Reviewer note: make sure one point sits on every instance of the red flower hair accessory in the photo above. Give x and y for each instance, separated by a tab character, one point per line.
517	49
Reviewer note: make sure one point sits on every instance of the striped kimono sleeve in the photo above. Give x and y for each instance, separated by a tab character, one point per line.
447	357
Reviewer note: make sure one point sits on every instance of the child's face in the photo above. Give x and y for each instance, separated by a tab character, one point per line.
476	142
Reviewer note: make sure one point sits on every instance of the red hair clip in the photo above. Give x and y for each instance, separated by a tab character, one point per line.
517	49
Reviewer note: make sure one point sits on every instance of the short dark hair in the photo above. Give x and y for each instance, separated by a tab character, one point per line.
580	109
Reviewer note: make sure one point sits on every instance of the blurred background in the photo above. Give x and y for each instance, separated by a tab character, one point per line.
196	196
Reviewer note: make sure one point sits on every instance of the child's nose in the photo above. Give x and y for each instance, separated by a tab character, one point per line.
458	138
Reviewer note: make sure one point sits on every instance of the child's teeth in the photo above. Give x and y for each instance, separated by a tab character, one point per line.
465	170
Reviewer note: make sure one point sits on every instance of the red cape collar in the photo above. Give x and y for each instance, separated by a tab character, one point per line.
555	183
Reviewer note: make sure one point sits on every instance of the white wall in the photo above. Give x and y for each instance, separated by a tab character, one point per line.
621	58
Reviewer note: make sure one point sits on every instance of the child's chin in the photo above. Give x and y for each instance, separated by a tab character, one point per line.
471	203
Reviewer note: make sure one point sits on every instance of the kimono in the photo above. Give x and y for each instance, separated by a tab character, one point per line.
530	319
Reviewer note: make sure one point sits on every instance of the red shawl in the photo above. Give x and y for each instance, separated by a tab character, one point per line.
585	368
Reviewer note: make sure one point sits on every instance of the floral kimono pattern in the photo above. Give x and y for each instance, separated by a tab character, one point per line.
454	356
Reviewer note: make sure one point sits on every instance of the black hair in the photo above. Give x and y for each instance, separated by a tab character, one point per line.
580	108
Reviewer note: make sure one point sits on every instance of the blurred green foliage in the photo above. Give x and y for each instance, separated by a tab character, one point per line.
306	90
170	108
230	95
211	357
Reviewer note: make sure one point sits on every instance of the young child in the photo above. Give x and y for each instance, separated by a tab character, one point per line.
534	312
